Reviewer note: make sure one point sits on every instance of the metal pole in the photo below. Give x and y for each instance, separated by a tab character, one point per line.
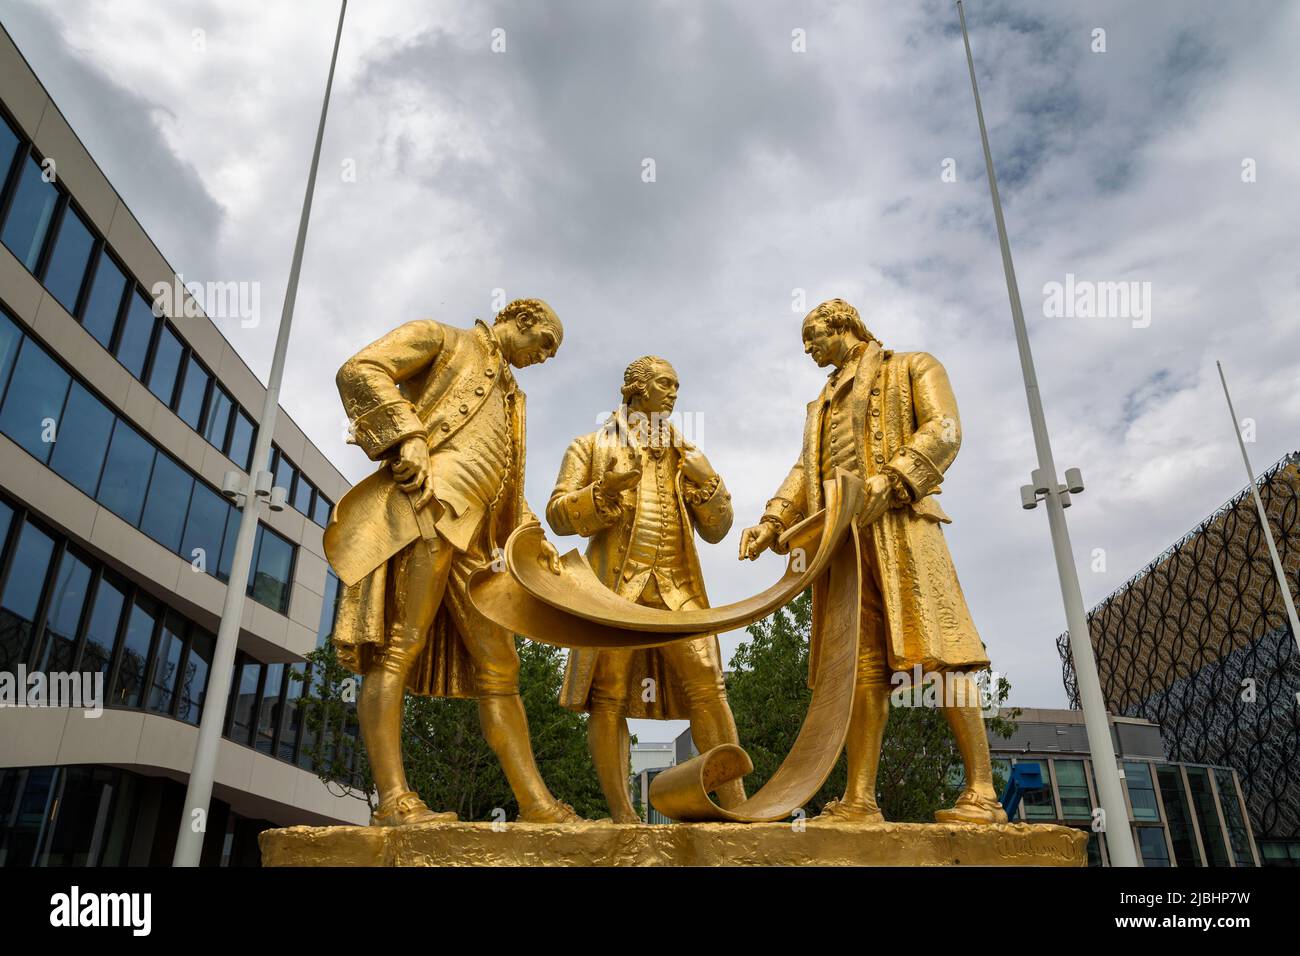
1263	517
198	792
1119	839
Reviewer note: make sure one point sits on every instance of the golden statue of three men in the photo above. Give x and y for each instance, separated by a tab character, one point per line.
439	409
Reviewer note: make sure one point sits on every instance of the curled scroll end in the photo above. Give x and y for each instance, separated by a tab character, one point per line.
682	792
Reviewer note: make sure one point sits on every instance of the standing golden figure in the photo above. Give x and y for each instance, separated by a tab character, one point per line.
438	406
640	492
890	418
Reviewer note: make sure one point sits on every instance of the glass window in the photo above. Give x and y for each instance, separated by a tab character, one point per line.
1232	817
320	512
1151	844
68	261
71	587
250	673
1141	790
1039	804
193	390
194	688
101	630
268	717
8	146
136	335
83	437
166	503
302	495
6	519
34	401
22	595
329	608
166	363
228	544
273	563
214	428
284	473
104	300
1206	815
167	662
205	525
1178	816
126	473
129	685
1073	789
30	211
11	337
241	440
291	725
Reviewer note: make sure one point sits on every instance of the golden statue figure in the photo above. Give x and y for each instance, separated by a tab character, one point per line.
639	491
890	419
439	408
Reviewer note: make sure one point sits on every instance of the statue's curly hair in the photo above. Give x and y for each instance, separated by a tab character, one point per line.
839	316
637	375
527	312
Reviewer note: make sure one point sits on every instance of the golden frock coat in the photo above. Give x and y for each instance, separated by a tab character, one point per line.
423	378
927	619
572	510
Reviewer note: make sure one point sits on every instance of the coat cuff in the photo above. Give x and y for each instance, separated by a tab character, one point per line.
384	426
585	515
783	513
918	472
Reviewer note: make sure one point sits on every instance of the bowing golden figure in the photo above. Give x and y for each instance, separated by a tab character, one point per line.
639	491
439	409
890	418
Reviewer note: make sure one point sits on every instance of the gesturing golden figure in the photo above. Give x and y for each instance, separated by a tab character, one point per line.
640	491
439	407
891	419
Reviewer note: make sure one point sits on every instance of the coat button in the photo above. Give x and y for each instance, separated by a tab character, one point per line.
875	391
879	459
479	390
489	372
446	426
880	434
875	411
464	409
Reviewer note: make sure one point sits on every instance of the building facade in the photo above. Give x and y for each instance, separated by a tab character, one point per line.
1180	814
1199	643
119	419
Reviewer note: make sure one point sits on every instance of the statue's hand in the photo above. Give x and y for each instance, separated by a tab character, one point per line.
754	541
411	470
614	482
877	497
549	558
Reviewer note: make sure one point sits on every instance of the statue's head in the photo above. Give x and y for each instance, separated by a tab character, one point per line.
831	330
529	332
650	385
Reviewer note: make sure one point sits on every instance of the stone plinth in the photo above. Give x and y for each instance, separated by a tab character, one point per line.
694	844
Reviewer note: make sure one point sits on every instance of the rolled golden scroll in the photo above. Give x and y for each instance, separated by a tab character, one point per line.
575	609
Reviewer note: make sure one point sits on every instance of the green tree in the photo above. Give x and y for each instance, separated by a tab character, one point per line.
447	760
920	769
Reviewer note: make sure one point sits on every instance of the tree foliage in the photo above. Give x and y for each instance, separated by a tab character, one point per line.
920	768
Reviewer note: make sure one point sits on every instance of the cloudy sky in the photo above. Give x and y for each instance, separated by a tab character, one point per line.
779	174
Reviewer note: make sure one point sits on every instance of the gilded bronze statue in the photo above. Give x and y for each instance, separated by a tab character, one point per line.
889	418
438	407
640	492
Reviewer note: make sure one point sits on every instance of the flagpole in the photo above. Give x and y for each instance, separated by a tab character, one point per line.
1119	838
198	791
1263	517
